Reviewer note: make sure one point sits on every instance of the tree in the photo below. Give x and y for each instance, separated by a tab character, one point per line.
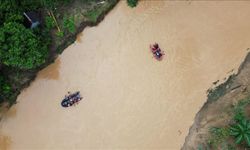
20	47
9	11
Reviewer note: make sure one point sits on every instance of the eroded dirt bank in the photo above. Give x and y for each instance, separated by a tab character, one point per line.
217	113
130	99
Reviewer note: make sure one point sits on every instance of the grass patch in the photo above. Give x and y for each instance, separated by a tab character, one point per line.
219	139
218	136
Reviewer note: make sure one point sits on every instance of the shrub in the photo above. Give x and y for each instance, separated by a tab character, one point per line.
92	15
49	22
239	109
69	24
241	131
218	136
60	34
132	3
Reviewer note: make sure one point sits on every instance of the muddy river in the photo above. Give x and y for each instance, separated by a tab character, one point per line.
131	100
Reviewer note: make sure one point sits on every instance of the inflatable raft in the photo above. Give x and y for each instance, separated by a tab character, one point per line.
71	99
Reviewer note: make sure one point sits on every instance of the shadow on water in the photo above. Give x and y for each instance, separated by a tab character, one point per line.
52	71
5	142
12	112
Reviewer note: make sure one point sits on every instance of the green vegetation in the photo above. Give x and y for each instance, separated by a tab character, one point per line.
49	23
68	23
239	110
60	34
200	147
218	136
20	47
241	131
92	15
132	3
238	131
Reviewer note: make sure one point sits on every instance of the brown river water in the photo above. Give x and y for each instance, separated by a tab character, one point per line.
131	100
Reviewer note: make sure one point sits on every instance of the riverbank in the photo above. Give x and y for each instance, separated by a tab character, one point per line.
131	100
218	111
88	13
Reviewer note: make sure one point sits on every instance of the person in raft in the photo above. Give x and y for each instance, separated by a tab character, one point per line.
73	98
155	48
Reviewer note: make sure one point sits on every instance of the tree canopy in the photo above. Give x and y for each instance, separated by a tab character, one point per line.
20	47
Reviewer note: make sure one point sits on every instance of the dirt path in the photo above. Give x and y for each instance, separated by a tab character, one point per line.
130	99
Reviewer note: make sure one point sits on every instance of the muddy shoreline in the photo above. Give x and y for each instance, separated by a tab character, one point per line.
71	38
223	96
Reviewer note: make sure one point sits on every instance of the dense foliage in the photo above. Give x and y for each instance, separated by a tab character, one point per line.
20	47
132	3
69	24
